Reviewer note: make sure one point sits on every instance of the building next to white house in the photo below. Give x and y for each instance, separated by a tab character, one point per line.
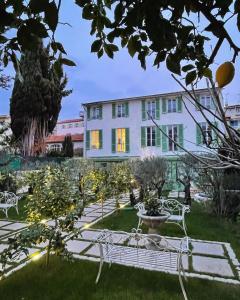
233	115
73	127
123	128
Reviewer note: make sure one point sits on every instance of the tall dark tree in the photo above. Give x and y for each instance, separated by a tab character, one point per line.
36	98
68	146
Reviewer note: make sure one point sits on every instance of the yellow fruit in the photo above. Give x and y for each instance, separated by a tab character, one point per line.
225	74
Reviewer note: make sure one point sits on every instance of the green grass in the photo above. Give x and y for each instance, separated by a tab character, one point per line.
200	224
76	281
12	214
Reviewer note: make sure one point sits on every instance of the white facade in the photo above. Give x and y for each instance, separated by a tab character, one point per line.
233	115
104	122
66	127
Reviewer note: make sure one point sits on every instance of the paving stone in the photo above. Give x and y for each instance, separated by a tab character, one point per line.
24	256
15	226
93	251
3	247
94	206
79	225
105	211
3	223
4	232
88	209
94	214
208	248
90	234
76	246
87	219
210	265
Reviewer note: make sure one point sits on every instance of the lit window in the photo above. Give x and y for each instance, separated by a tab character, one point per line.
151	136
121	110
206	101
151	109
172	105
96	112
55	147
121	139
207	134
173	136
95	141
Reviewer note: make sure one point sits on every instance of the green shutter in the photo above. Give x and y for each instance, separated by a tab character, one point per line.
198	135
100	139
144	116
88	113
164	105
100	112
143	137
113	140
126	109
164	139
180	135
127	140
212	104
88	139
158	137
179	104
157	109
198	101
113	110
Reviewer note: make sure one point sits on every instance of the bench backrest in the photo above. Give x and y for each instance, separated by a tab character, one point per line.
9	198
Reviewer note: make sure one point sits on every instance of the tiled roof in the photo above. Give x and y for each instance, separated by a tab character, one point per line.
60	138
70	121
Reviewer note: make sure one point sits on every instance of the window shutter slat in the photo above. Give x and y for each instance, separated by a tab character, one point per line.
113	140
180	135
144	110
158	137
143	137
164	105
127	140
198	135
88	139
157	109
113	110
164	139
179	104
100	112
88	113
126	109
100	139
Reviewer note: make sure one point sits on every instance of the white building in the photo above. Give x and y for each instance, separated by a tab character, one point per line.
122	128
233	115
75	128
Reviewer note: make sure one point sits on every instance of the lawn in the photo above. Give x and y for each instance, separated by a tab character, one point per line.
200	225
75	281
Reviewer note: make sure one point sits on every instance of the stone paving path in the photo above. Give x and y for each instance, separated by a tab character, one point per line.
209	260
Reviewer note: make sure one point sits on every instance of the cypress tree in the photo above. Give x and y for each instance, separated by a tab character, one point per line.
36	99
67	147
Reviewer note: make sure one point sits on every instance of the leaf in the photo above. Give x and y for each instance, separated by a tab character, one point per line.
58	46
37	6
173	64
87	12
37	28
118	12
238	21
51	16
237	6
108	50
187	68
190	77
67	62
3	39
96	45
108	3
113	47
100	53
208	73
159	58
132	47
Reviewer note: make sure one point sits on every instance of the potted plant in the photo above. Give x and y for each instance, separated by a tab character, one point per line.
153	215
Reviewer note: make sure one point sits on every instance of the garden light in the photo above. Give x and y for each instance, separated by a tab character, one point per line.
35	256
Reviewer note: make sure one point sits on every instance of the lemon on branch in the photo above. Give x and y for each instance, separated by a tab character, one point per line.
225	74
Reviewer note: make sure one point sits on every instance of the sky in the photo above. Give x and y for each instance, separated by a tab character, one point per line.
101	79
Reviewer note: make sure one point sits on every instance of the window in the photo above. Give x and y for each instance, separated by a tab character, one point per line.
77	124
206	101
96	112
70	125
172	105
151	109
121	139
55	147
206	133
172	131
63	126
95	139
121	110
234	124
151	136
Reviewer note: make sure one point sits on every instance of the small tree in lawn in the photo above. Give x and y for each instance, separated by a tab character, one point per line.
53	198
67	146
151	173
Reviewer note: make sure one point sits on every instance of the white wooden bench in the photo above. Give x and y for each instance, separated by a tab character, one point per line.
8	200
142	251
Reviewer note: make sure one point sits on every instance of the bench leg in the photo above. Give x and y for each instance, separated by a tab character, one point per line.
180	270
17	209
101	263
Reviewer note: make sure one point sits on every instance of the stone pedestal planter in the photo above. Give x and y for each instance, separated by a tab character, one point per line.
153	222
